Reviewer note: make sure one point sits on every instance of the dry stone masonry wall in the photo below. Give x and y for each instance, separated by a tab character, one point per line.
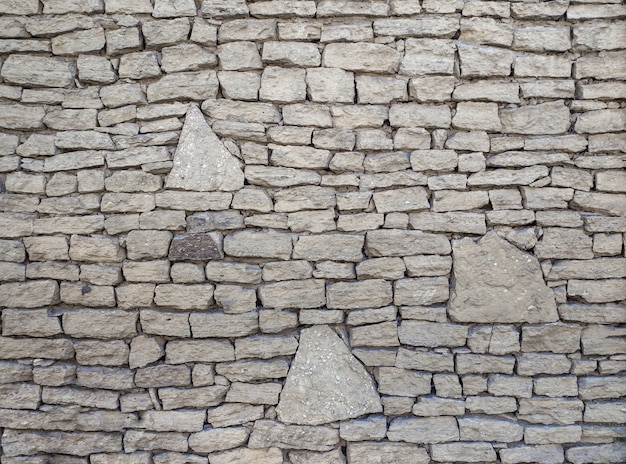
312	232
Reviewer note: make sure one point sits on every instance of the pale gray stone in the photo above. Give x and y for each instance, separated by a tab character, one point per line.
402	382
265	455
268	433
424	430
603	340
37	71
463	452
548	454
550	410
487	429
332	399
386	452
17	443
218	439
613	452
522	284
201	162
543	118
366	57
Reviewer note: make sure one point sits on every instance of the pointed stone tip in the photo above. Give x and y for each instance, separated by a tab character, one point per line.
201	162
326	383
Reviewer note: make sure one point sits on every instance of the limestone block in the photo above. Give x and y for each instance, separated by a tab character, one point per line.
358	295
198	85
78	42
30	294
550	410
550	454
396	242
96	352
282	85
37	71
300	157
534	301
218	439
424	430
537	363
483	61
233	272
27	322
283	9
139	65
143	440
434	406
428	56
146	271
254	393
250	371
415	115
481	429
21	117
402	382
542	38
367	57
17	443
270	455
106	324
178	296
598	339
239	56
383	334
291	54
293	294
247	29
451	200
400	453
486	31
490	404
557	338
477	116
19	348
544	118
593	122
548	434
608	452
379	89
173	8
258	244
351	8
409	199
430	334
207	325
465	452
483	364
555	240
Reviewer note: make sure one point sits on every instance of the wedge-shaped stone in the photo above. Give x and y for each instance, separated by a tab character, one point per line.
201	162
37	71
268	433
491	271
319	392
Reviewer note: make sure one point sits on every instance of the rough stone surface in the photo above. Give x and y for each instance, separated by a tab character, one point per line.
512	275
334	384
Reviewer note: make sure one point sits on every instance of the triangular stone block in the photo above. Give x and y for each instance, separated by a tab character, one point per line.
495	282
201	162
326	383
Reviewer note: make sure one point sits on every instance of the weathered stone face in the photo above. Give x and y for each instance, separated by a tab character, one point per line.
324	365
201	162
496	282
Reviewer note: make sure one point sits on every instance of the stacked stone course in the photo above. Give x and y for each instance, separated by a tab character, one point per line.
312	232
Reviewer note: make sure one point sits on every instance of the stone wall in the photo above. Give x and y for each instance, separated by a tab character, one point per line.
271	232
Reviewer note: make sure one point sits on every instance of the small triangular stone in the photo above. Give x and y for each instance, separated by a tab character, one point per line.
496	282
201	162
326	383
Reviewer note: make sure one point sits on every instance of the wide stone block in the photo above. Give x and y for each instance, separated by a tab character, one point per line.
398	242
402	382
544	118
199	85
30	294
293	294
37	71
268	433
329	247
208	325
424	430
357	295
251	243
431	334
94	323
364	57
398	453
483	429
26	322
15	443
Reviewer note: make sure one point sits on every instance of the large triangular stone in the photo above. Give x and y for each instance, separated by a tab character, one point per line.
201	162
326	383
496	282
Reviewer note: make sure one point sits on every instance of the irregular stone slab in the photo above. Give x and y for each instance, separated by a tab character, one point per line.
37	71
201	162
199	247
492	271
268	433
325	382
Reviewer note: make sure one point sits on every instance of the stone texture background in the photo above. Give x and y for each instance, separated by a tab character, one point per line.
411	222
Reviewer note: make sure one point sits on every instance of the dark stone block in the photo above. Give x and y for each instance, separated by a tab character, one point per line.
196	247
